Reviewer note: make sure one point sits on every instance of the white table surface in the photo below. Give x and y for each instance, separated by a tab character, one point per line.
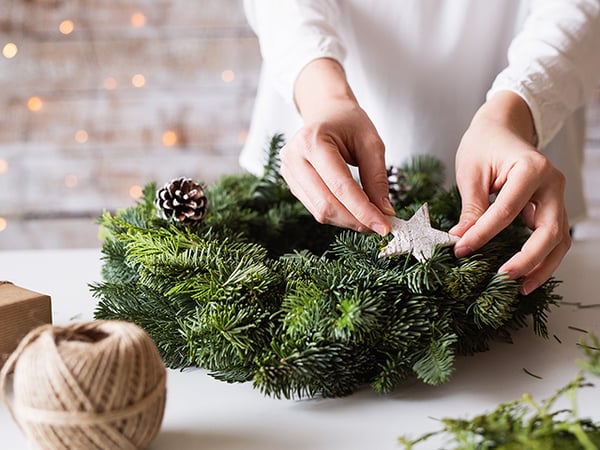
203	413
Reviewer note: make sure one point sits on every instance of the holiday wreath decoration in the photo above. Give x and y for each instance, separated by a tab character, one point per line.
259	291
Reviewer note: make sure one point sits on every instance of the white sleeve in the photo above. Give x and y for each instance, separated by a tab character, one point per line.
292	33
554	61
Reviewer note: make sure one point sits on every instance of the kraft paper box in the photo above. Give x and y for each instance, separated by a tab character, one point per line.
21	310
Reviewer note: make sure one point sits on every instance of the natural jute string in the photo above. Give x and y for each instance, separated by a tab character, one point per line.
93	385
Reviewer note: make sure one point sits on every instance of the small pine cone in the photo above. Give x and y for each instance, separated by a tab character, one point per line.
398	187
183	200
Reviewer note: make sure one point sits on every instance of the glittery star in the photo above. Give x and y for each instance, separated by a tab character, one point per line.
416	236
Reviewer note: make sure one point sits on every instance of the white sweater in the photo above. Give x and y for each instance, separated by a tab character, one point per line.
421	68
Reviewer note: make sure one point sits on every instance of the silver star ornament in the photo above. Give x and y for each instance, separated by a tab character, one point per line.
416	236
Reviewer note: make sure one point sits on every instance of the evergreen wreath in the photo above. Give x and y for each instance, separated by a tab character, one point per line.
260	291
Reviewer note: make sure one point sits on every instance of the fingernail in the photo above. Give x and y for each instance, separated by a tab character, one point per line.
528	287
387	205
456	229
379	228
510	274
464	250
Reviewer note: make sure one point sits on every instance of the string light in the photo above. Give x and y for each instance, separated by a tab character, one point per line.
110	84
138	80
242	136
138	19
3	224
3	166
71	181
81	136
34	104
169	138
227	75
66	26
135	191
10	50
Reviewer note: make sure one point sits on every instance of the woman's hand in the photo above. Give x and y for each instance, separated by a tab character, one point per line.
336	132
496	156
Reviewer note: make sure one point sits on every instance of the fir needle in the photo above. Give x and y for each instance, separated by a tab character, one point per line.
577	329
587	347
532	374
579	305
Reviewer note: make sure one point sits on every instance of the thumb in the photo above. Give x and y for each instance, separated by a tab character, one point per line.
475	201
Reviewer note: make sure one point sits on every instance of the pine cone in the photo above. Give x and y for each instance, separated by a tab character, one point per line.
183	200
398	187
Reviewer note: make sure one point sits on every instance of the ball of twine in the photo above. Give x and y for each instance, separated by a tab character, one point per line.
93	385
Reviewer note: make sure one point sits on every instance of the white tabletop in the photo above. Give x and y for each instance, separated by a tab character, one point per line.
203	413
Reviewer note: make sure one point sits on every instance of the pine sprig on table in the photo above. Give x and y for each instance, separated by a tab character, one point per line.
525	423
259	291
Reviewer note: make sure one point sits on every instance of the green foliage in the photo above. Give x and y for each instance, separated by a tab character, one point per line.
591	350
525	423
435	366
259	291
425	177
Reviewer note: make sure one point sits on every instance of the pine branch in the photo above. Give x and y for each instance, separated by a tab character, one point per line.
329	370
525	423
428	276
436	365
391	373
495	305
271	185
226	340
151	311
425	175
591	351
273	164
537	305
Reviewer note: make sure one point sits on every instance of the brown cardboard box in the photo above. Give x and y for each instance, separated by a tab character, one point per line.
21	310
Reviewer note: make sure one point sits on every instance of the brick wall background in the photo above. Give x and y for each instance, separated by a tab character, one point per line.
137	91
103	96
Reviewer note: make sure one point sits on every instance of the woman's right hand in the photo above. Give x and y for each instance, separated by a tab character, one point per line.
336	132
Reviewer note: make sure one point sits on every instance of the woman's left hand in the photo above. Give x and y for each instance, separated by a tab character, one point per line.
496	156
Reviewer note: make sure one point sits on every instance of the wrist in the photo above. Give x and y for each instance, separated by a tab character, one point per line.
320	83
510	111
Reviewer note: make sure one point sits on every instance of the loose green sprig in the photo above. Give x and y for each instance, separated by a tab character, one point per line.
260	291
525	423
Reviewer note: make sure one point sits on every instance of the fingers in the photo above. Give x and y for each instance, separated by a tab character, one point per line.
310	189
542	253
541	207
475	201
373	175
540	256
495	156
319	177
510	201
